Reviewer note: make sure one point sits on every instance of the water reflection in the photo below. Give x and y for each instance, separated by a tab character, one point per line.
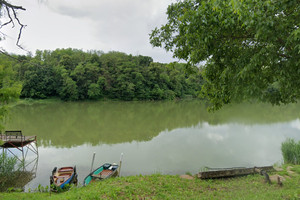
164	137
22	174
15	180
67	124
72	124
178	151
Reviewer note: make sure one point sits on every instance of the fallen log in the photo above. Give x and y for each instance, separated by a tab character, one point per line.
232	172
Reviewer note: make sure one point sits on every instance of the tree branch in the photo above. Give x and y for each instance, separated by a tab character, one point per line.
283	55
13	8
22	26
8	55
10	19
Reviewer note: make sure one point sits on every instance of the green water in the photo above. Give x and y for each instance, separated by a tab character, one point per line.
164	137
67	124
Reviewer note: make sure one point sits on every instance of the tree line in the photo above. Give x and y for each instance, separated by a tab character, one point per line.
73	74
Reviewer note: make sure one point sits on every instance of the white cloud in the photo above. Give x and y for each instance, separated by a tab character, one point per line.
119	25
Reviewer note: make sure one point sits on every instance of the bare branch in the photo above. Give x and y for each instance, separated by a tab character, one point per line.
10	21
22	26
13	8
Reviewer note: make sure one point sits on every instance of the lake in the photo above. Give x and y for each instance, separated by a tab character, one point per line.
155	137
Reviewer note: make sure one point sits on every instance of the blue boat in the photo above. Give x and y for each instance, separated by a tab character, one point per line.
63	176
103	172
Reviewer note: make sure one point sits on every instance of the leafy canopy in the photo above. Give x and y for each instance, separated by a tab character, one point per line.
251	47
73	74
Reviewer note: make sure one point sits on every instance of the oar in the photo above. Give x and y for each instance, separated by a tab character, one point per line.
121	157
93	161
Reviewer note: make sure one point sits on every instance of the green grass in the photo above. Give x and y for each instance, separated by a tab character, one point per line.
173	187
291	151
296	169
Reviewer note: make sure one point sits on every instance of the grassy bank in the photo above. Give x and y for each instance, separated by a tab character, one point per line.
173	187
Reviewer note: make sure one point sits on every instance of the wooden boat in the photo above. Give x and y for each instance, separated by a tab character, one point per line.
103	172
232	172
63	176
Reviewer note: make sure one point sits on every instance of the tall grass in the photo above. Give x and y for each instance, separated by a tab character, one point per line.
291	151
7	171
7	164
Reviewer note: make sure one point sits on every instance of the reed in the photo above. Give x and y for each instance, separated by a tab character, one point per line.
291	151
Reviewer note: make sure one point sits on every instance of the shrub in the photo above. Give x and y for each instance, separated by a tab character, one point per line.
291	151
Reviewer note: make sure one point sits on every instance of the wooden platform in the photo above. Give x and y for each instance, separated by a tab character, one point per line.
15	139
232	172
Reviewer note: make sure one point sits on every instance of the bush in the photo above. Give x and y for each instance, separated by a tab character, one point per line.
291	151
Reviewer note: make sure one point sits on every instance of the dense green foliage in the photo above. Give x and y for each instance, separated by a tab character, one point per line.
291	151
251	47
72	74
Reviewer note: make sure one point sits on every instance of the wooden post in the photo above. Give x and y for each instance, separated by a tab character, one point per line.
93	161
121	157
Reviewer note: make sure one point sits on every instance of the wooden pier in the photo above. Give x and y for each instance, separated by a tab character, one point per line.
16	140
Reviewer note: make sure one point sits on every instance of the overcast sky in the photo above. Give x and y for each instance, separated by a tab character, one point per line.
107	25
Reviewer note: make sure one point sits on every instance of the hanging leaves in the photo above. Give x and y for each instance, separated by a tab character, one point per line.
251	47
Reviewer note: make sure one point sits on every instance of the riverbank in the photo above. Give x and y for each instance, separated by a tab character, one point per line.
174	187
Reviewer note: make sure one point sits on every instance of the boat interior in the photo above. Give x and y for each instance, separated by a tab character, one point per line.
62	175
105	173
